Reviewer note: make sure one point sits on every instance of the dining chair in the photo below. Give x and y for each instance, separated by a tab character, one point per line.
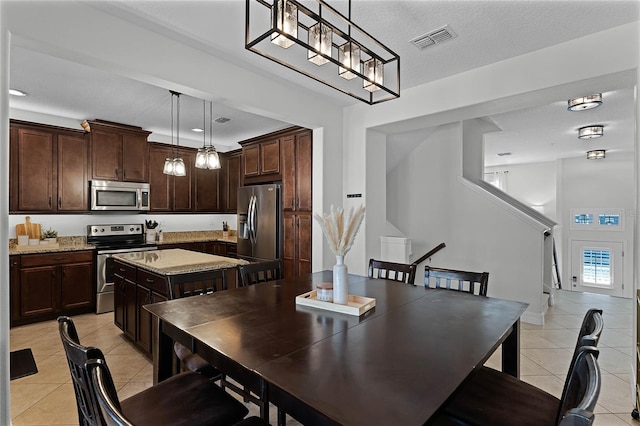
452	279
260	272
487	395
108	405
184	286
401	272
184	399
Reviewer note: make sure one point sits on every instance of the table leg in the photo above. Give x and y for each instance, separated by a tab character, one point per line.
162	353
511	351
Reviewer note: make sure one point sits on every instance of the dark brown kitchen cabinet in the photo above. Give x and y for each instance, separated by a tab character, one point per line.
261	160
232	180
51	284
296	175
145	319
73	172
207	197
118	152
170	193
48	169
14	287
297	244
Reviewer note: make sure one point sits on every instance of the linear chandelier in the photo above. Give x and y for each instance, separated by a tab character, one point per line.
324	45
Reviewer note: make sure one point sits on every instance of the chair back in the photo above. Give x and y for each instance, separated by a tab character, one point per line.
254	273
77	356
106	396
581	390
591	329
184	286
401	272
451	279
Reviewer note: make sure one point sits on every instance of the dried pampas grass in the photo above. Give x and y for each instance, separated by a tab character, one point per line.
340	231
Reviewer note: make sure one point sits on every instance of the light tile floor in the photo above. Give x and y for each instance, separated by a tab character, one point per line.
47	398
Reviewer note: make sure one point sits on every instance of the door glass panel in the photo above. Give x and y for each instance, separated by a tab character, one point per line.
596	267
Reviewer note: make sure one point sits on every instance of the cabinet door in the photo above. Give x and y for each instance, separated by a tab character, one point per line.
303	170
288	173
143	338
303	244
119	301
183	185
288	252
233	182
159	183
38	291
131	308
14	285
36	163
251	156
77	286
134	158
207	183
106	155
73	166
13	169
270	157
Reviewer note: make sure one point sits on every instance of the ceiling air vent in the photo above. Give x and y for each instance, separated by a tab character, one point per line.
222	120
434	37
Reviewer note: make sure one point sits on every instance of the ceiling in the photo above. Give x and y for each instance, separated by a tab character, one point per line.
487	32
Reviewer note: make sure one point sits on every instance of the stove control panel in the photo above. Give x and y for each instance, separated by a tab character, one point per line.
109	230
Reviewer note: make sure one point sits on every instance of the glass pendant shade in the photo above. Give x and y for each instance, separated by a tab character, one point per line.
201	158
596	154
373	70
585	102
168	166
213	160
179	168
590	132
320	38
349	57
285	14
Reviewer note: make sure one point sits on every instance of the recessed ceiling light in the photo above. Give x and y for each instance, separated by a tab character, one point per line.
16	92
586	102
596	154
197	130
590	132
222	120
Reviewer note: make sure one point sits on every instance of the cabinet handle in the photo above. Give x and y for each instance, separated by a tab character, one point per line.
59	202
293	203
64	272
122	269
49	201
124	174
149	280
58	258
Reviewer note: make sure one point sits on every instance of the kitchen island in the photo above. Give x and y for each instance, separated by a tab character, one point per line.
142	278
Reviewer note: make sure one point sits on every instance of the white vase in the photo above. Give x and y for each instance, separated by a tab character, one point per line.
340	282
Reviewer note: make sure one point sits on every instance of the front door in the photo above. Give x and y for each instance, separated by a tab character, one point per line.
597	267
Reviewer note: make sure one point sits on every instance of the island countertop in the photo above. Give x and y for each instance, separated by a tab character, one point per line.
178	261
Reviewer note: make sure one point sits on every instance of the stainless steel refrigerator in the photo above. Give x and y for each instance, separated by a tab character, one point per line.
259	222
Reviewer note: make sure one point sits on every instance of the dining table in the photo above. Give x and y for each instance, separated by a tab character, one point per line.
395	364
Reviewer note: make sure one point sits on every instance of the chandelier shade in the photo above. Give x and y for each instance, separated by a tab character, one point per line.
585	102
590	132
596	154
319	42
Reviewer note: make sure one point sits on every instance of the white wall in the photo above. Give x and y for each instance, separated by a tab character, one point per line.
534	184
440	207
608	183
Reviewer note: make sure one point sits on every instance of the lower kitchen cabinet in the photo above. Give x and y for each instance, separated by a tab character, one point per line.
297	244
44	286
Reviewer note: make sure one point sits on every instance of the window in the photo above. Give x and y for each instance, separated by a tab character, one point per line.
609	219
596	267
583	219
597	219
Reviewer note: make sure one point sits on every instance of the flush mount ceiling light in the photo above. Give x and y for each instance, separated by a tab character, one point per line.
596	154
324	45
207	156
175	166
586	102
590	132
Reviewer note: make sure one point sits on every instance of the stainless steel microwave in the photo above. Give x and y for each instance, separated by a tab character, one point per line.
119	196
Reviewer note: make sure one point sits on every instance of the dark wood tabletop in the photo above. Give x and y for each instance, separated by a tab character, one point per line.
396	364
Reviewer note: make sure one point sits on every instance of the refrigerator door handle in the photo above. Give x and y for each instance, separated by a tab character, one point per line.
252	219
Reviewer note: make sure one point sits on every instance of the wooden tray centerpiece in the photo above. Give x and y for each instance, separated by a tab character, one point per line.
356	305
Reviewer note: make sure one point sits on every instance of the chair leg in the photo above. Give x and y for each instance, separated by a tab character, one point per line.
282	417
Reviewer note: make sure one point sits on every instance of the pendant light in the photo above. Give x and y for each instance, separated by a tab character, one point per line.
207	156
175	166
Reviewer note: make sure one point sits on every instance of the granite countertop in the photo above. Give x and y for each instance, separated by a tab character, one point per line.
178	261
64	244
197	236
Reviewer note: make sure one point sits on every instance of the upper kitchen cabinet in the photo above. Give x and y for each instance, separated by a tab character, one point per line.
261	159
118	152
296	172
207	190
231	179
48	169
170	193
